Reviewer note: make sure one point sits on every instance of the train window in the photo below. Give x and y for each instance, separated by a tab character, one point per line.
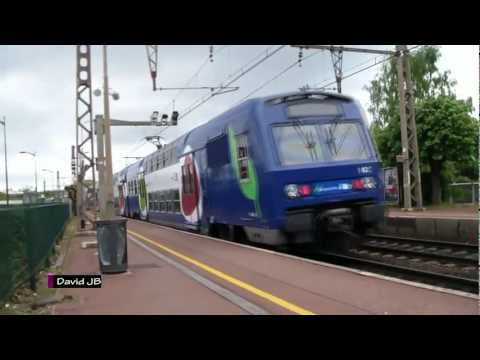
183	178
135	186
186	179
191	178
177	206
242	155
243	164
217	152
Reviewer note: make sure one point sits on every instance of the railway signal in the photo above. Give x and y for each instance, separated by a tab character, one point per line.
105	174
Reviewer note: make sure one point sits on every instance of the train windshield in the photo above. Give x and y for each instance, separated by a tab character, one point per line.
309	143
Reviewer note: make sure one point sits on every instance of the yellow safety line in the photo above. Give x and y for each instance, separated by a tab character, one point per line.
275	299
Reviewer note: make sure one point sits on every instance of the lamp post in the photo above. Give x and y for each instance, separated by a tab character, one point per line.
34	154
108	142
51	172
4	123
104	146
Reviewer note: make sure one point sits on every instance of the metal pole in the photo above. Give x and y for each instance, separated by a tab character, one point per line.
109	210
84	142
99	129
36	176
4	123
414	158
473	193
337	60
407	200
410	153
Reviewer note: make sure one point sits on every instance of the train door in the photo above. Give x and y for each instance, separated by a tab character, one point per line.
190	194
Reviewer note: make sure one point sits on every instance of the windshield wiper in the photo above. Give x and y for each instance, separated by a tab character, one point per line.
307	138
330	135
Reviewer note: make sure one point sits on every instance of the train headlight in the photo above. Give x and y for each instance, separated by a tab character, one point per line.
369	183
296	191
292	191
365	183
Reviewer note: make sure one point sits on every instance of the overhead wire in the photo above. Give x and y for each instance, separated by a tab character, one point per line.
201	101
241	72
141	142
277	76
386	58
236	76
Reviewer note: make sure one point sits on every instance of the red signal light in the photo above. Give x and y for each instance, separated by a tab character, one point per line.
357	184
305	190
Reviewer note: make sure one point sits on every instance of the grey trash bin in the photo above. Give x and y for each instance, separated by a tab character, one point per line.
112	245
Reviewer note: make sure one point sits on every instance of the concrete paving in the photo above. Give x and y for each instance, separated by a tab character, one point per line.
152	286
320	289
260	279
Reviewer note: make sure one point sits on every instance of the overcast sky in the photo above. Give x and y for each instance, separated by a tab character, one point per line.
37	93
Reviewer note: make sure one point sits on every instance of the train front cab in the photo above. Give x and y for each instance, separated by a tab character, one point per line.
323	173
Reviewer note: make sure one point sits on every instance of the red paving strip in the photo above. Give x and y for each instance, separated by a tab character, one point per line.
320	289
152	286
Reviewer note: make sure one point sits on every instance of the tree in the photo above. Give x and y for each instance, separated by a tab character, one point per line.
447	133
427	81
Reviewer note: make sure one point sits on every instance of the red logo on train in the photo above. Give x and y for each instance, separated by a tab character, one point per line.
190	186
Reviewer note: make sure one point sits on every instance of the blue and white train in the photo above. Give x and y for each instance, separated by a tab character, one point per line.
279	169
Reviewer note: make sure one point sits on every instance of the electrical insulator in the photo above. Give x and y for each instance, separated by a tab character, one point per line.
300	57
211	53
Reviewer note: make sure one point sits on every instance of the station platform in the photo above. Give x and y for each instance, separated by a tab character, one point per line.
459	212
451	224
175	272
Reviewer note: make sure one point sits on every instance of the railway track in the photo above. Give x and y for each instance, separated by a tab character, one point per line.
462	254
404	271
445	264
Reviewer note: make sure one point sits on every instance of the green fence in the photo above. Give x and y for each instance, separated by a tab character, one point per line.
27	238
